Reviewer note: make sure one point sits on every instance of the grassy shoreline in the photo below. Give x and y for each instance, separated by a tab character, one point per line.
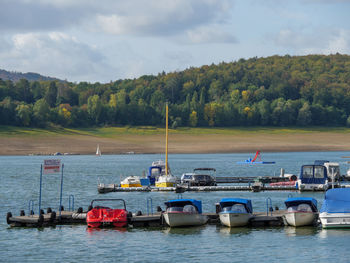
116	140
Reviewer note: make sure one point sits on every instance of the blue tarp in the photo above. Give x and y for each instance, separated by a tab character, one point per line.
337	201
294	201
231	201
183	202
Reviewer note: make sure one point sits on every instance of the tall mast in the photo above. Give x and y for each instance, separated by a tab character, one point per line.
166	140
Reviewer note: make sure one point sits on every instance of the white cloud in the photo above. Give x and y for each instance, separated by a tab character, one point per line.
320	40
54	54
210	35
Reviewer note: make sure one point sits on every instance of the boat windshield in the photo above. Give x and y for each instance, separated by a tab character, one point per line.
319	172
175	209
236	208
190	209
300	208
307	171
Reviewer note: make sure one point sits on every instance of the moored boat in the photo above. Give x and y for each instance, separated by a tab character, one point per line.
301	211
184	212
102	216
335	210
235	212
131	181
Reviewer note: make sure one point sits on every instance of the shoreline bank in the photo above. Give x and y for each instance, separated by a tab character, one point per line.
178	143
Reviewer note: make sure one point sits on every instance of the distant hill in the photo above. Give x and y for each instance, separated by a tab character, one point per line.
16	76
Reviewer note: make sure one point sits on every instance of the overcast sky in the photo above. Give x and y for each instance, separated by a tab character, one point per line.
104	40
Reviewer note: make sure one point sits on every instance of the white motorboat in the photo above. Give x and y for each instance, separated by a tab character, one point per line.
235	212
301	211
184	212
335	211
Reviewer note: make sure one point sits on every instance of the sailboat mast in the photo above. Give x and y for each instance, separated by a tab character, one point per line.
166	140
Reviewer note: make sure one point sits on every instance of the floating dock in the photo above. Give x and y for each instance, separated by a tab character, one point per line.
106	188
260	219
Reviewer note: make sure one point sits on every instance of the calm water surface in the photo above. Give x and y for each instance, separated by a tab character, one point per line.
19	179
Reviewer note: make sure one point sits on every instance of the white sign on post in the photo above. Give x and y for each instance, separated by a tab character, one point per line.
52	166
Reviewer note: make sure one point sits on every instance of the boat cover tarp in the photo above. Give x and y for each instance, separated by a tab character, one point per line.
294	201
231	201
337	201
183	202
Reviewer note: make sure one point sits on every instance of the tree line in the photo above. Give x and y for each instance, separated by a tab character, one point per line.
273	91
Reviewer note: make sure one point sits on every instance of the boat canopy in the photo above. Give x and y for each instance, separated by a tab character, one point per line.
151	176
231	201
337	201
183	202
295	201
313	174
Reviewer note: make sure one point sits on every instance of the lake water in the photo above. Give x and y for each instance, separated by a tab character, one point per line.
19	179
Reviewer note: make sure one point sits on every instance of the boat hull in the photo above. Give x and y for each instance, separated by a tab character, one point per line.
235	219
165	184
184	219
335	220
300	218
131	185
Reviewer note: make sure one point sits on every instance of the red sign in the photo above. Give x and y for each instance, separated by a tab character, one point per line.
52	166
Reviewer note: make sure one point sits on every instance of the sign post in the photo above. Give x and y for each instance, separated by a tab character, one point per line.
41	179
51	166
60	209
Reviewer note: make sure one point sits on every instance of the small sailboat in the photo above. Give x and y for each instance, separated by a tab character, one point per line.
301	211
235	211
166	180
102	216
184	212
98	151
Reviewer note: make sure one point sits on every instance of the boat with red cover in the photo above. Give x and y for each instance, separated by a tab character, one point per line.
102	216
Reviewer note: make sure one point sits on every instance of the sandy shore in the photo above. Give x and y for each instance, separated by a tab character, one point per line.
178	143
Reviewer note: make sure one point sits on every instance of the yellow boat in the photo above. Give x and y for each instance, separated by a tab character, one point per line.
131	181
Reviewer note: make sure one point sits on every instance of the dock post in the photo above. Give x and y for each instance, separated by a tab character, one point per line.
60	208
41	179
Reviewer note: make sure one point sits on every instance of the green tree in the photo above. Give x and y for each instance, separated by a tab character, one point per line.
41	112
193	119
51	94
24	114
94	108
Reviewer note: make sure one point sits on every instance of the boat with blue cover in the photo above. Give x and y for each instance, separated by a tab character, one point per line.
235	211
184	212
312	177
335	210
301	211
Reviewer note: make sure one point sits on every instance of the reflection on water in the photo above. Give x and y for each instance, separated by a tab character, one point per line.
300	231
95	230
239	231
183	230
335	232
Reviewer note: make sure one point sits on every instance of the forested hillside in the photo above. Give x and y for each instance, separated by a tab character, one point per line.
16	76
274	91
